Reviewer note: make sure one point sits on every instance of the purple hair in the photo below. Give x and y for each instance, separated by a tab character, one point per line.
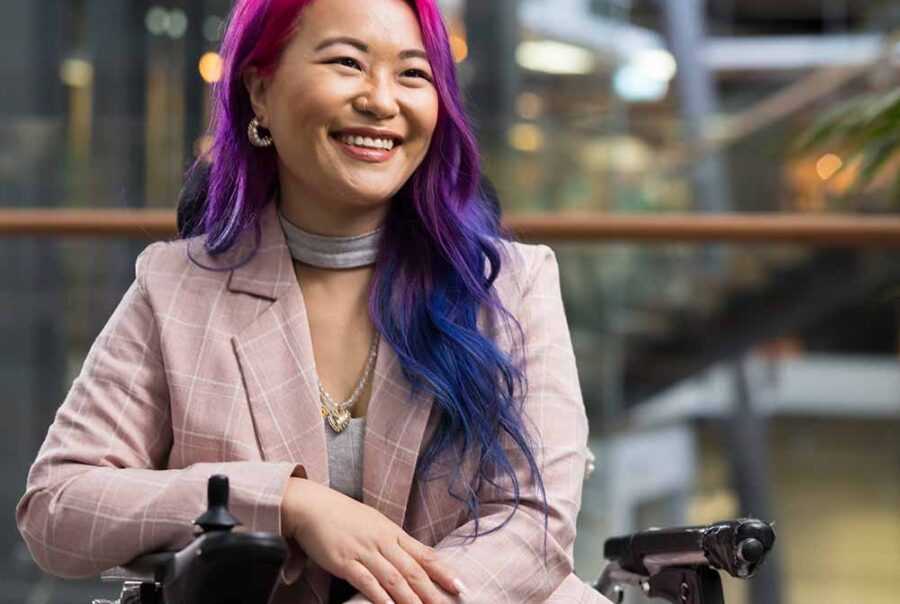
429	282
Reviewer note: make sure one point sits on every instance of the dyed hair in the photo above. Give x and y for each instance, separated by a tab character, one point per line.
429	281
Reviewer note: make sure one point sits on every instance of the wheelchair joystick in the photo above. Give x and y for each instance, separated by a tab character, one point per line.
217	517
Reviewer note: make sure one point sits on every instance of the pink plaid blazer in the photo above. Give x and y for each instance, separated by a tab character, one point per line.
200	372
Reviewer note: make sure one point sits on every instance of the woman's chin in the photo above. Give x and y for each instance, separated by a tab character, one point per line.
370	196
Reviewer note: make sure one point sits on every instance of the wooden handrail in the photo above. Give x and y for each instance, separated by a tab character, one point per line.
820	230
97	222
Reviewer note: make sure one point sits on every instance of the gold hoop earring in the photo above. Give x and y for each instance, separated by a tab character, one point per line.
257	139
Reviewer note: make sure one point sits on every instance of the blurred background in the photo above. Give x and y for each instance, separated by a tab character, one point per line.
721	378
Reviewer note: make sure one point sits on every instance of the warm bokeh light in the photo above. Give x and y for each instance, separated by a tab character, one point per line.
827	165
526	137
211	67
623	154
459	47
530	105
786	347
203	145
77	73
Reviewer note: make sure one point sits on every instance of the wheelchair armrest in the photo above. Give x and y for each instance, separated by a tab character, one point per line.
736	546
679	564
146	568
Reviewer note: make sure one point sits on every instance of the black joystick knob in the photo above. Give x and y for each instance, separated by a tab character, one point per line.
217	517
750	551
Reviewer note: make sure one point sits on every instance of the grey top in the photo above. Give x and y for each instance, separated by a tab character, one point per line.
345	457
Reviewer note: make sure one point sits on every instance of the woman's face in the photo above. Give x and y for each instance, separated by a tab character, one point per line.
349	65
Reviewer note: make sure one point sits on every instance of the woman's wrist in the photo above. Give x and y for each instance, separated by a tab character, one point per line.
292	509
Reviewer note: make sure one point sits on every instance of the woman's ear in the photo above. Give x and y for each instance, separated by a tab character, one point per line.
257	87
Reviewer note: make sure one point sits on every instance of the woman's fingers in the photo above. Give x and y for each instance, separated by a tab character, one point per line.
436	568
416	576
392	580
362	579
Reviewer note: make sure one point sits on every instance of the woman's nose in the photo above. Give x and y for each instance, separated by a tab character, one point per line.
379	99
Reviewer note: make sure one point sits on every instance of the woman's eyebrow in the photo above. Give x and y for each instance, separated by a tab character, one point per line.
359	44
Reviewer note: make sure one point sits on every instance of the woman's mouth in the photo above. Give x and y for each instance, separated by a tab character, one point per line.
366	149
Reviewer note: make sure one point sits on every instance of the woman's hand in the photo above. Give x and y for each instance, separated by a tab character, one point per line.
362	546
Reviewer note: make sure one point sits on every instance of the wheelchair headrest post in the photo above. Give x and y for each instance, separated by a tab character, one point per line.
217	517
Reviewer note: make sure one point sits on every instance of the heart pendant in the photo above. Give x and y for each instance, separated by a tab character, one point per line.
338	420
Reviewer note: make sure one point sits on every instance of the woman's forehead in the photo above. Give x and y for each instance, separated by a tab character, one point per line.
378	24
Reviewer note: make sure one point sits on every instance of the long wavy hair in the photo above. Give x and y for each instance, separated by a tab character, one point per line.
441	235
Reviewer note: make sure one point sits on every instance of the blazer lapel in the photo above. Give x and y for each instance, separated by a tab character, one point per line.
275	355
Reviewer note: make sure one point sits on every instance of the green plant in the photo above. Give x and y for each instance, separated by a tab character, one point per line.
866	127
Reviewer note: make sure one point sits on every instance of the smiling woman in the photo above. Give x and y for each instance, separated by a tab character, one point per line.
342	232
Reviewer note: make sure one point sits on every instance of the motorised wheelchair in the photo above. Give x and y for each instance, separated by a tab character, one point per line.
220	566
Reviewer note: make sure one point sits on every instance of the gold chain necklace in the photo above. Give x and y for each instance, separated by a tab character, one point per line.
338	414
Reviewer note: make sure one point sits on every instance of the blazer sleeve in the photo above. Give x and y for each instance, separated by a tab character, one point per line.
508	565
99	492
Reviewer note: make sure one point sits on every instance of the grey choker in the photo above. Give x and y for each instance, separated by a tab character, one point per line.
326	251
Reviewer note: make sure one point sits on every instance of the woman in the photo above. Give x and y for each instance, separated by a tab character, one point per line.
337	338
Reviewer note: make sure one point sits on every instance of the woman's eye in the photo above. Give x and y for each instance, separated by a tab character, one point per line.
421	73
353	63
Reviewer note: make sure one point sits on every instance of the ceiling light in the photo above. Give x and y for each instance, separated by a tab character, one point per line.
656	63
558	58
632	84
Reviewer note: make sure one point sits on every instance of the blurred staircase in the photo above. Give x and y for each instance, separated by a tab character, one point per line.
759	297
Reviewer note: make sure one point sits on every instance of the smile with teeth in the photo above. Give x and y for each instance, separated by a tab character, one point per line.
366	142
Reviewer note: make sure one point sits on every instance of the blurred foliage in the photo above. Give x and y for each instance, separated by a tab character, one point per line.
867	127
